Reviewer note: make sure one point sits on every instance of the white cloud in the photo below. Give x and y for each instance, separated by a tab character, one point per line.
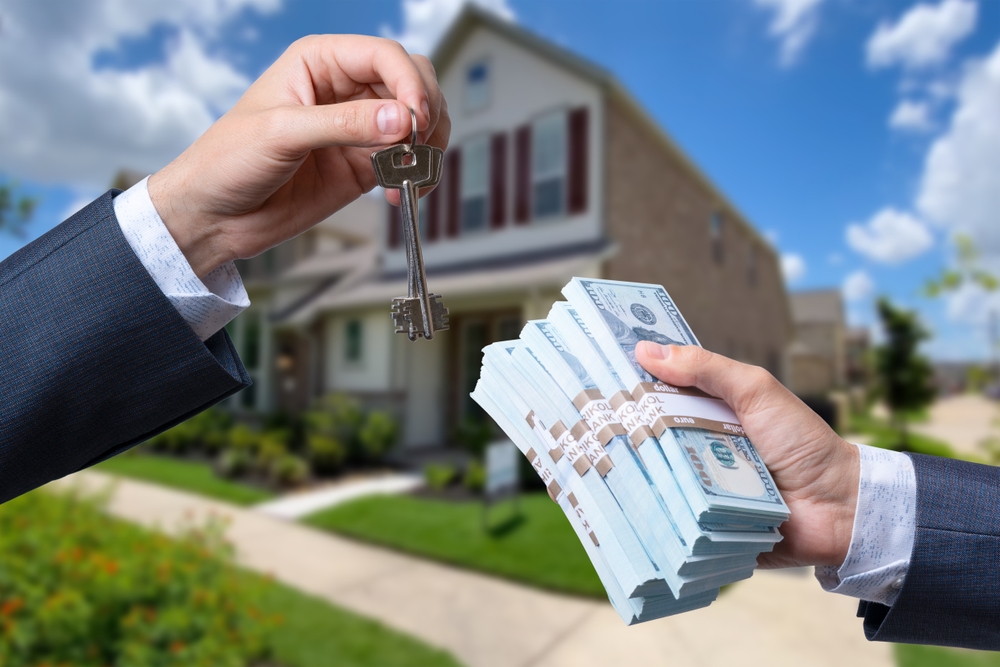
924	35
793	25
960	187
793	267
911	116
425	21
858	286
63	121
835	259
890	236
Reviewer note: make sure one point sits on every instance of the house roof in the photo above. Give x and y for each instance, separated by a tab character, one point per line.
472	17
817	306
552	270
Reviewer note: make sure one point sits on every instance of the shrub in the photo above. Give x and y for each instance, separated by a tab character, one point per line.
77	588
475	477
272	446
378	435
289	470
338	417
233	462
244	438
326	454
439	476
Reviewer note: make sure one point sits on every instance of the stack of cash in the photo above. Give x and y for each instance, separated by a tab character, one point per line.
667	495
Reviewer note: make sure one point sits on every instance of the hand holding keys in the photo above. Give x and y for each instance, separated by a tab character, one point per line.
407	168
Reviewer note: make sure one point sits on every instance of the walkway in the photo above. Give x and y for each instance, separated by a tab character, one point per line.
773	620
964	421
298	505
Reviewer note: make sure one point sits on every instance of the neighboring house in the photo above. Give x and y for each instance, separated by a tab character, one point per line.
818	356
553	171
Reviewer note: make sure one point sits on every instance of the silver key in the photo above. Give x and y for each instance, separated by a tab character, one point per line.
409	167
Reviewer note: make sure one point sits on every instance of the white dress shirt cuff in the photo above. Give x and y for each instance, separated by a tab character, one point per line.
207	305
884	526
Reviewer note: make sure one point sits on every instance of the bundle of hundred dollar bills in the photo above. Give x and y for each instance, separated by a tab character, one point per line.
662	487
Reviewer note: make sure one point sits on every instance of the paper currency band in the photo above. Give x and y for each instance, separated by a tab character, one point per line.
571	447
583	519
585	397
530	418
631	418
596	454
663	388
682	421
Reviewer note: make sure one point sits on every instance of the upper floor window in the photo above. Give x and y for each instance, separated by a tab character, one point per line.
477	85
548	165
354	341
475	183
715	228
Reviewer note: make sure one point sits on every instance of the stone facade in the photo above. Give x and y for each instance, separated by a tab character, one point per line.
659	212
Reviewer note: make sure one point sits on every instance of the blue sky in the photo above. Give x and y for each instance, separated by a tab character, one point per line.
785	104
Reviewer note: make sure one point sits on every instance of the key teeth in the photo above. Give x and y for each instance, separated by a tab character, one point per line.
439	313
402	314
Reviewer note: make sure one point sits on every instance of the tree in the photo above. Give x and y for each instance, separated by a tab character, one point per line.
15	210
904	376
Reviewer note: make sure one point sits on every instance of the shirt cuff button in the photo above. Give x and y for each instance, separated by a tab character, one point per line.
897	583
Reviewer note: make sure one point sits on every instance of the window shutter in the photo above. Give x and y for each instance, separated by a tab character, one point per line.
453	169
498	180
522	175
433	204
577	154
395	223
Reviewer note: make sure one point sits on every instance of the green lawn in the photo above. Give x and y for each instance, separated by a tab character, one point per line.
314	633
886	436
540	548
187	475
908	655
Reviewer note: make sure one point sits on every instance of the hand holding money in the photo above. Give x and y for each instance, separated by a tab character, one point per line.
816	471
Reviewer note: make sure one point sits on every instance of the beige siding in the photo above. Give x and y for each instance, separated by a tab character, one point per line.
659	213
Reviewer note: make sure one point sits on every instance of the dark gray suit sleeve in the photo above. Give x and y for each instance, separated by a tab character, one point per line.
93	358
951	595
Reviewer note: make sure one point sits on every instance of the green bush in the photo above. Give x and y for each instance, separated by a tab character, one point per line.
378	435
79	589
326	454
289	470
336	417
272	446
439	476
233	462
475	477
244	438
206	429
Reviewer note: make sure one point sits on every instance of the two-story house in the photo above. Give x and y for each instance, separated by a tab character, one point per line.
553	171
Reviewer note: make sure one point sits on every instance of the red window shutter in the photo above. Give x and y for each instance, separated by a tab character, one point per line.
453	172
433	204
576	188
522	175
498	180
395	223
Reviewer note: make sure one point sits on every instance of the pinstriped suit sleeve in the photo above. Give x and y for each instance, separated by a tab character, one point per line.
951	595
93	357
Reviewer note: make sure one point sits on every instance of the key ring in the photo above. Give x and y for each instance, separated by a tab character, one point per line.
413	132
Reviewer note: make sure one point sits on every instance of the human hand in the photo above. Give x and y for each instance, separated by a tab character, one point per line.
296	147
816	471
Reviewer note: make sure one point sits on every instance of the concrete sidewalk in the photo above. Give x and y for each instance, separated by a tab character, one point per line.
965	422
775	619
298	505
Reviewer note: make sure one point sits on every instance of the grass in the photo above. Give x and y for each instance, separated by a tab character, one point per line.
314	633
886	436
192	476
908	655
539	548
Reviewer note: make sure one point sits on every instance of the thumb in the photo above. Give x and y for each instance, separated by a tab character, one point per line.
737	384
356	123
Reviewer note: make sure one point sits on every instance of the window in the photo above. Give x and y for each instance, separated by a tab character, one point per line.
548	165
354	341
715	228
477	86
475	183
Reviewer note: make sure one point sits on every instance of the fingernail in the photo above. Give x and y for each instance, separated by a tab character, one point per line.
387	119
652	350
427	111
